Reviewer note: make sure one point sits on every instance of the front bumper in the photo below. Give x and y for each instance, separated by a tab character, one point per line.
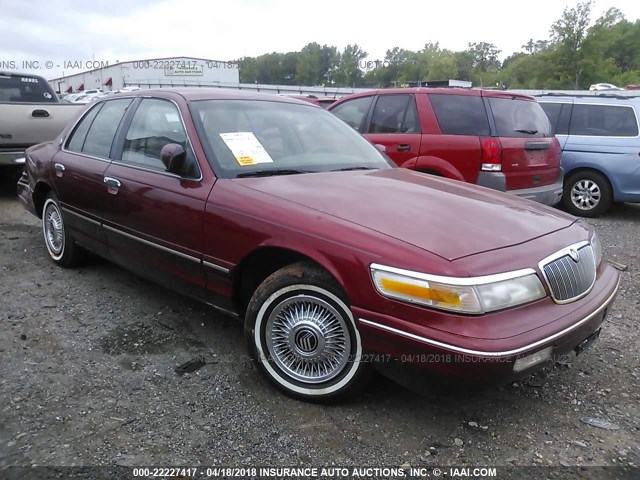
489	360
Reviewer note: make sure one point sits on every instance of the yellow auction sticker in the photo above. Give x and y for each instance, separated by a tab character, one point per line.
245	160
246	148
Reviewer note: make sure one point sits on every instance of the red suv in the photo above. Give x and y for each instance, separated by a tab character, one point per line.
495	139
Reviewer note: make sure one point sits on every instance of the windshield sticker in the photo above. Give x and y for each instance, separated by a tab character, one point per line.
47	95
246	148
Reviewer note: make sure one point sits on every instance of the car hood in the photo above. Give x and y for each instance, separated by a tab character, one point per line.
448	218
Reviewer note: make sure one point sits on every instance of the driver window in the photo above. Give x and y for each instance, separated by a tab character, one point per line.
155	124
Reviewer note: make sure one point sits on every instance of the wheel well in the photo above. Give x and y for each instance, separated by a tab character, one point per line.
430	172
587	169
256	267
39	195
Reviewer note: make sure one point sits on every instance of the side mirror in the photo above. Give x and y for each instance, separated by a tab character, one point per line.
173	157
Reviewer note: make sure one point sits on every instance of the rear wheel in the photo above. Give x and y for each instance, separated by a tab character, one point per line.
587	194
61	247
303	337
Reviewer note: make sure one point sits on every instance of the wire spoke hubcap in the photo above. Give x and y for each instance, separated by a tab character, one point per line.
585	194
308	339
54	229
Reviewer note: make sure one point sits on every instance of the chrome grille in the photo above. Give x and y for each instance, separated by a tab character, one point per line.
569	279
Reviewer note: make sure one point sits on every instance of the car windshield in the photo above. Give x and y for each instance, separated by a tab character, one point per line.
256	137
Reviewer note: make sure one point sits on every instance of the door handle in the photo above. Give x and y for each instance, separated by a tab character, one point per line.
403	148
39	113
113	184
59	168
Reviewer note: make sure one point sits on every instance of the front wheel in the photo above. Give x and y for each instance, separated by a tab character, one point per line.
303	337
60	245
587	194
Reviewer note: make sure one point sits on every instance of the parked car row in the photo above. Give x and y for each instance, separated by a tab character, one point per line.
278	212
583	150
495	139
88	96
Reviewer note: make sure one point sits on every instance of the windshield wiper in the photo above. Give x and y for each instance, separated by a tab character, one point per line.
526	130
352	168
269	173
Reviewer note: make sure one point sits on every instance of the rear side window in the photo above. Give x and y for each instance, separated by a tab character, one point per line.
395	114
17	88
76	141
460	114
519	118
603	121
102	130
553	114
353	112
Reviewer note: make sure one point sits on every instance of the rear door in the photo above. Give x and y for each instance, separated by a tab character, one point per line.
394	123
79	168
530	152
458	123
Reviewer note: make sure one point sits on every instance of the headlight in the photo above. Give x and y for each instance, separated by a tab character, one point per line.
459	294
597	248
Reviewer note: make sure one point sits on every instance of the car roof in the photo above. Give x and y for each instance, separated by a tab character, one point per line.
203	93
599	99
477	92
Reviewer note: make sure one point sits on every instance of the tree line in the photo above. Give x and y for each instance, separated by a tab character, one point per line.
576	55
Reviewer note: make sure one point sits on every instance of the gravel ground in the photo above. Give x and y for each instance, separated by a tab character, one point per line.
87	378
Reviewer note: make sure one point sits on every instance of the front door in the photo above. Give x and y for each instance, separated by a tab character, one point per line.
153	219
395	124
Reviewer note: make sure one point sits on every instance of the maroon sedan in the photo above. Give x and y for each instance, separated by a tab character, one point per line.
274	210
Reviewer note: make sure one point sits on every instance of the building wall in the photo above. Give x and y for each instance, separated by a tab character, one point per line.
176	71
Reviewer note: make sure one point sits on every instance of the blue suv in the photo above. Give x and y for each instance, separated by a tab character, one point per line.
600	142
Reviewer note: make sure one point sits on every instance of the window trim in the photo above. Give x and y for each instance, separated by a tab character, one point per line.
100	104
126	121
67	139
120	138
635	114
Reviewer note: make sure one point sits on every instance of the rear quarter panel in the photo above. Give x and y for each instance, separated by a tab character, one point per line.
617	158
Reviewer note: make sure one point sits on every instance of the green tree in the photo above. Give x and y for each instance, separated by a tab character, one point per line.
348	73
568	33
485	56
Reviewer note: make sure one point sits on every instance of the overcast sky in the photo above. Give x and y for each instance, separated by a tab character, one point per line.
111	30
